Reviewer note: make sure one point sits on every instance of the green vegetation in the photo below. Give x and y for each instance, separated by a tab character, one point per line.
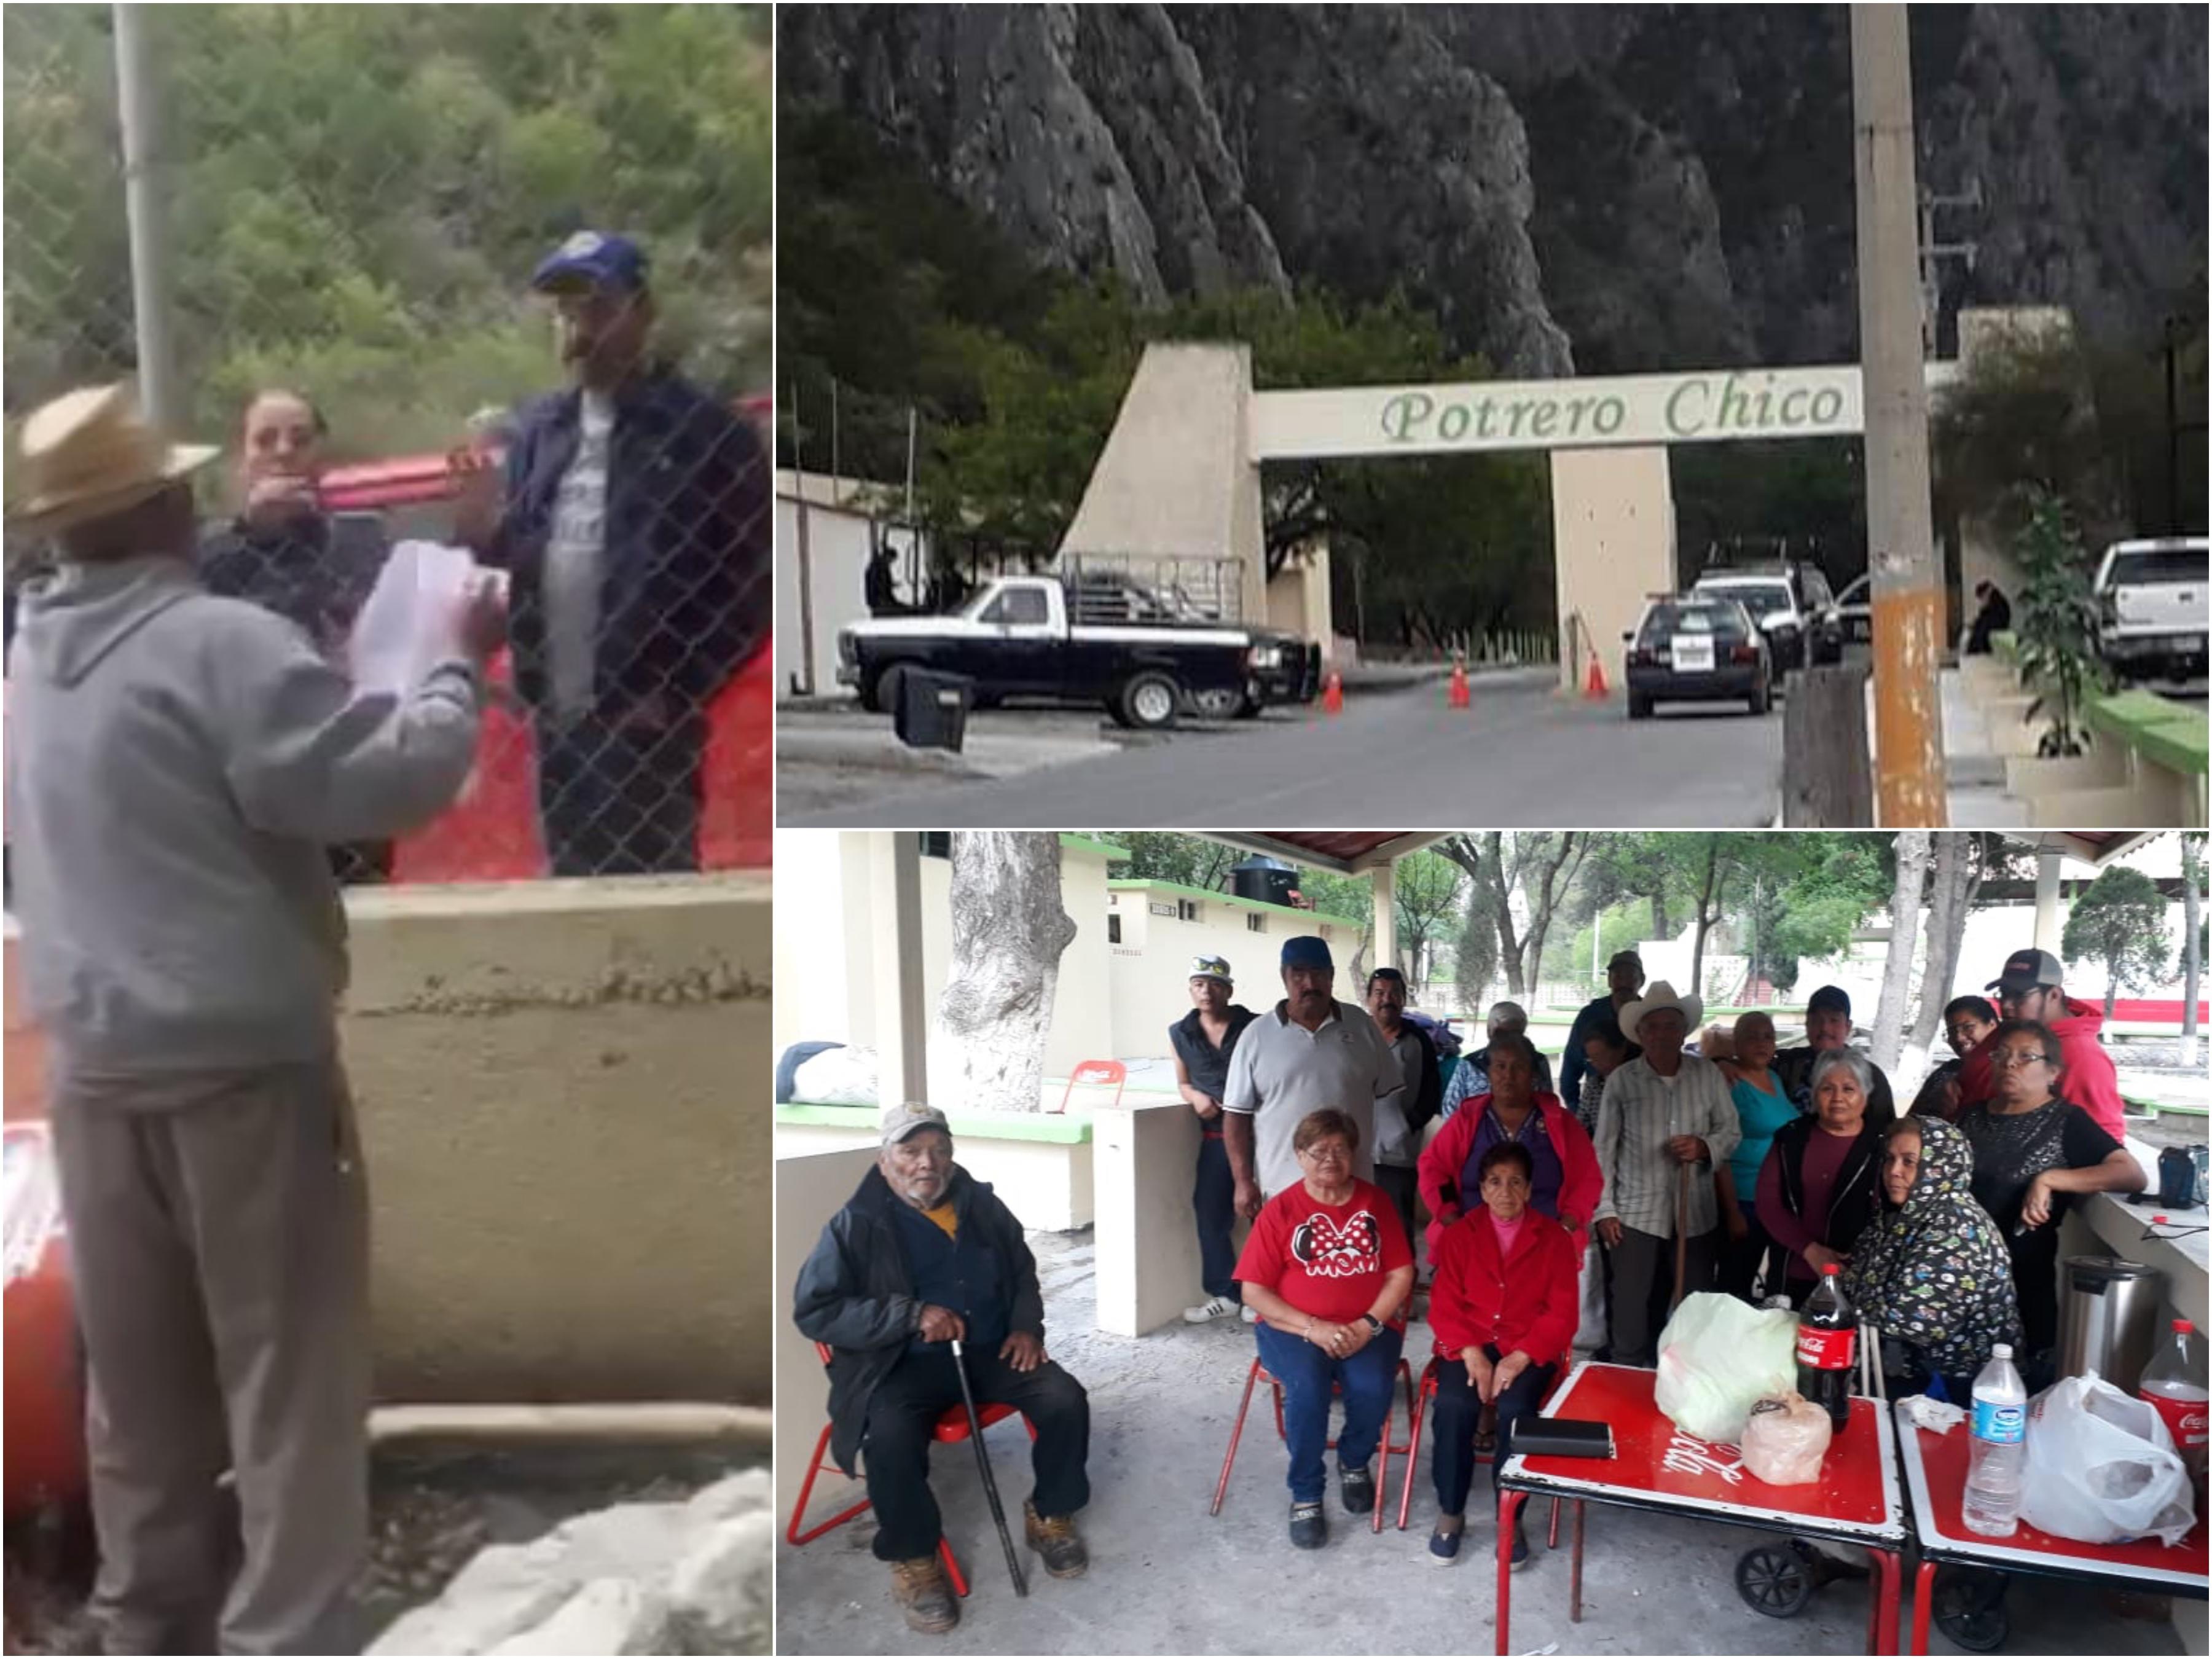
2121	922
358	193
2054	633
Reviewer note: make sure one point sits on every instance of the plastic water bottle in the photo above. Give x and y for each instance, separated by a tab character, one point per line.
2173	1382
1991	1502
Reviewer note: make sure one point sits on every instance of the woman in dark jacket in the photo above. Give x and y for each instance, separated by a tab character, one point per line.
1821	1182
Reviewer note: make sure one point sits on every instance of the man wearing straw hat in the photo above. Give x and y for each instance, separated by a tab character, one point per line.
176	764
1665	1123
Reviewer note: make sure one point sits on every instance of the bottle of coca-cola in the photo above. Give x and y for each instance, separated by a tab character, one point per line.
1827	1347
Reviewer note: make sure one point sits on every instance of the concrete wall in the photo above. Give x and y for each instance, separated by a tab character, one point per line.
563	1097
1048	1184
1151	966
809	1190
1176	479
827	519
826	948
1146	1242
1613	538
1298	597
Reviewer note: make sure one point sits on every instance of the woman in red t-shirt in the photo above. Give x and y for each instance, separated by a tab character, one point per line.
1503	1308
1328	1268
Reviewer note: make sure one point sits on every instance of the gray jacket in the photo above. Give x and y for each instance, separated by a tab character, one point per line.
177	763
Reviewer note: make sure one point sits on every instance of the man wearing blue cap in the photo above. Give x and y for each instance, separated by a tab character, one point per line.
1310	1051
635	520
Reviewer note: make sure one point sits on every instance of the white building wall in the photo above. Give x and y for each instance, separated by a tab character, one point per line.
1151	965
822	525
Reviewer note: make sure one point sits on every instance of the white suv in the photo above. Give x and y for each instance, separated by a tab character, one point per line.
2151	605
1799	628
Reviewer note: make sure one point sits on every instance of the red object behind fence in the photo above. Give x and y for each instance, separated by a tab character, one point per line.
491	833
43	1376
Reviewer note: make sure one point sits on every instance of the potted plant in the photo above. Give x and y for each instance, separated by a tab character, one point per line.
2055	626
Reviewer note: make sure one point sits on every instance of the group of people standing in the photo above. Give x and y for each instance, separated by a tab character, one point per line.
1698	1162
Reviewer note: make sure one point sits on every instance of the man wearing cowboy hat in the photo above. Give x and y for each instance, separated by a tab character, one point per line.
635	517
176	763
1662	1113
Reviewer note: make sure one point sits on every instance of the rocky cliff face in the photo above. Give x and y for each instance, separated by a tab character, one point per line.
1602	188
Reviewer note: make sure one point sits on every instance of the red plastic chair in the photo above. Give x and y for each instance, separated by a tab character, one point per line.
1095	1074
951	1429
1420	1410
1260	1373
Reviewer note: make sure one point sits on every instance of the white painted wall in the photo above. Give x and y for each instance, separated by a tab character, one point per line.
830	519
831	933
1147	1241
1150	967
809	1190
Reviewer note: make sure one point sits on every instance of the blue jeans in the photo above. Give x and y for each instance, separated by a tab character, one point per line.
1307	1375
1215	1198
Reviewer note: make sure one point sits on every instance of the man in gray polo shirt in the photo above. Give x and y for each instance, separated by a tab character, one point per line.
1309	1051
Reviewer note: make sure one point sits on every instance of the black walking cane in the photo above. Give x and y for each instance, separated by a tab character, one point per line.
983	1463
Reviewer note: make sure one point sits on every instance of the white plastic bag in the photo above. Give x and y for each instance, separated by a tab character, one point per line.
837	1076
1786	1439
1717	1357
2101	1467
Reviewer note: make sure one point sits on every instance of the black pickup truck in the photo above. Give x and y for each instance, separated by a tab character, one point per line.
1146	655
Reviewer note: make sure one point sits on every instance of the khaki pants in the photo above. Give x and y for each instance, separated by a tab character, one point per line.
218	1231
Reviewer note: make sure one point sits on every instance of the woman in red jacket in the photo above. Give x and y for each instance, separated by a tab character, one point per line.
1565	1182
1504	1309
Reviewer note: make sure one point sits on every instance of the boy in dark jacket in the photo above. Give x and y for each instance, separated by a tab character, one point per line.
922	1255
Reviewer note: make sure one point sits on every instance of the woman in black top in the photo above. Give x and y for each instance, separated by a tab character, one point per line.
2032	1152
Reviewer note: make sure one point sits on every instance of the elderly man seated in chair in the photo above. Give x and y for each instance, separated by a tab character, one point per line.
923	1255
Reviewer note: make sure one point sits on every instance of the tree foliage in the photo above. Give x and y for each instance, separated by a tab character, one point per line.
358	195
2119	921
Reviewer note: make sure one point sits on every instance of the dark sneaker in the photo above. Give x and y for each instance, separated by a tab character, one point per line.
1358	1490
1443	1546
1309	1526
1520	1547
1054	1538
920	1588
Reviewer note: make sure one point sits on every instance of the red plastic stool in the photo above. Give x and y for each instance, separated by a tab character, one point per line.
1258	1373
951	1429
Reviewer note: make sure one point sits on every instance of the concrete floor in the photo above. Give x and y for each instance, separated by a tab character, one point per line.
1167	1578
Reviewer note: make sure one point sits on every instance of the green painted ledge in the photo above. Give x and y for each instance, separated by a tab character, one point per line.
1066	1130
2174	737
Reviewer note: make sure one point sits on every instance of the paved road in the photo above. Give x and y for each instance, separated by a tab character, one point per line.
1523	756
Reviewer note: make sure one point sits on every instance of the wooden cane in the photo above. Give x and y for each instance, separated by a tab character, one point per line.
1681	1235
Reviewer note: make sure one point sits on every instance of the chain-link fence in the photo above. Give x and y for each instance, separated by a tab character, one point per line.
342	213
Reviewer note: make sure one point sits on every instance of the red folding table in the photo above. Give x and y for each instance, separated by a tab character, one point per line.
1936	1471
1656	1466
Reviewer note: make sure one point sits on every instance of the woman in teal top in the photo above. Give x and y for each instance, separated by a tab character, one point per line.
1762	1106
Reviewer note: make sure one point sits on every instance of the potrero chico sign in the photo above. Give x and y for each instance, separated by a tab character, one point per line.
1706	407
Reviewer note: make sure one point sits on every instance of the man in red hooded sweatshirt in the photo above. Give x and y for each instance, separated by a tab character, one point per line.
2032	987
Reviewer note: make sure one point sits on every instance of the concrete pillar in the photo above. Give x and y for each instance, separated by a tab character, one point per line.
1177	479
1142	1155
2050	918
902	1010
1385	878
1613	542
809	1189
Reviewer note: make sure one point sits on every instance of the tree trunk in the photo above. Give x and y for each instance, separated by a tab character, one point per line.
2111	992
1912	850
2193	953
1557	876
1707	916
986	1049
1949	892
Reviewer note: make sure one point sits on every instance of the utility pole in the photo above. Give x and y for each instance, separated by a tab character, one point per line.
1909	786
148	218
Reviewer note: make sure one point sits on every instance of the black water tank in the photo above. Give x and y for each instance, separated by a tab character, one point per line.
1269	880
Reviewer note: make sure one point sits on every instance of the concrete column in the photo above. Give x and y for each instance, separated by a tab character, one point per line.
902	1010
1385	878
1142	1156
1613	542
809	1189
2049	919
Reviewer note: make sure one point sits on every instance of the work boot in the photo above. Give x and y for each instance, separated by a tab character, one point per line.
1309	1526
920	1588
1053	1537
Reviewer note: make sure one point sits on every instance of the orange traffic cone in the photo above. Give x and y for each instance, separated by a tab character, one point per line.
1459	698
1332	695
1595	688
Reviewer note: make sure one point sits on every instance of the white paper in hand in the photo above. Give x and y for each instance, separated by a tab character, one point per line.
411	620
